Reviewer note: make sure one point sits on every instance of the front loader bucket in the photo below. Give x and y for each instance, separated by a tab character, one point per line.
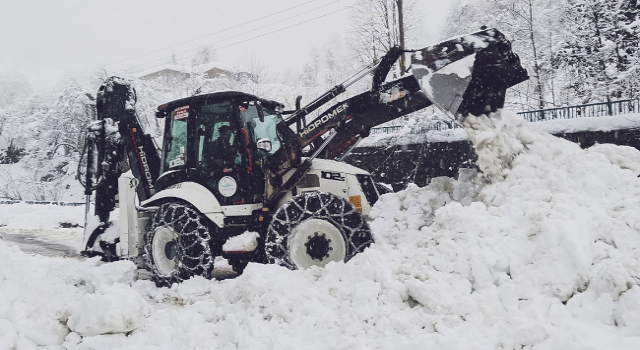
468	75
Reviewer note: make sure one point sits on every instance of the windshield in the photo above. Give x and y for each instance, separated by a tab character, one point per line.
262	129
215	141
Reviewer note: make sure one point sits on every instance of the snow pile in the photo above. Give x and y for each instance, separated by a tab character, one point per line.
415	207
568	217
41	298
111	309
623	156
543	253
244	242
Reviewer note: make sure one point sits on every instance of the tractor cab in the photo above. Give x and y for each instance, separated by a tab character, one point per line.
219	140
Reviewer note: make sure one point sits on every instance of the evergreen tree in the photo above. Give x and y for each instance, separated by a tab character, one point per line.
576	51
375	27
600	49
531	27
628	45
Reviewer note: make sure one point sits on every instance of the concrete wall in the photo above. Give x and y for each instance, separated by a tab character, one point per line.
419	163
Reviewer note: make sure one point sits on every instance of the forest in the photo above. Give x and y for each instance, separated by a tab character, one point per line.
576	52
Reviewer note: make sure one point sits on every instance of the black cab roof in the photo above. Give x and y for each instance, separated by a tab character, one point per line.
166	108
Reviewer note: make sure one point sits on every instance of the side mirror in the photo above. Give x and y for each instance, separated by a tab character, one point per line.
264	144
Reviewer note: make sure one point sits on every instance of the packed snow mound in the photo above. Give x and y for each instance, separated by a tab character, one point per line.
624	156
415	207
541	251
568	217
41	298
245	242
110	309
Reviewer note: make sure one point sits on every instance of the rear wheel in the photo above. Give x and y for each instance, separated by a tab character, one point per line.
314	229
176	244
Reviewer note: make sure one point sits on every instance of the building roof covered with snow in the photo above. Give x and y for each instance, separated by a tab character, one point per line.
179	72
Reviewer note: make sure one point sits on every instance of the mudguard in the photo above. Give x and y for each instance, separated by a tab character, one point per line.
195	194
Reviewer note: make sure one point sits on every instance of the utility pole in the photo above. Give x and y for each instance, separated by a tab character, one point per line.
403	62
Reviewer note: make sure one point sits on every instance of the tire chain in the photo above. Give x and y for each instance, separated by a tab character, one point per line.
302	207
192	241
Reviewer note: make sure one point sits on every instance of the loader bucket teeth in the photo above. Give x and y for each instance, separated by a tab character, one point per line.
470	74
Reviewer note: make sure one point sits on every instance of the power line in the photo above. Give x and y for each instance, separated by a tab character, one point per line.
265	34
211	34
247	32
223	30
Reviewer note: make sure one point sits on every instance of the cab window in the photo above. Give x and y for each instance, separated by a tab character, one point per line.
262	129
175	143
216	137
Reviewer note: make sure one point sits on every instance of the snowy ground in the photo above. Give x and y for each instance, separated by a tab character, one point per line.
50	230
544	254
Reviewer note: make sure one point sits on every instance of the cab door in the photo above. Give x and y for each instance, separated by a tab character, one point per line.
223	160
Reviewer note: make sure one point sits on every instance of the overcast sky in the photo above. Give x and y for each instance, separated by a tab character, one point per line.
47	40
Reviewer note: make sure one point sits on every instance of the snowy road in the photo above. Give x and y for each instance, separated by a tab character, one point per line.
31	241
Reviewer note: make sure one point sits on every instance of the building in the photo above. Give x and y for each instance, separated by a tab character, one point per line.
166	72
171	72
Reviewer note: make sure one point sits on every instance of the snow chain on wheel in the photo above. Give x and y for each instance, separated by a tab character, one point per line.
176	244
315	228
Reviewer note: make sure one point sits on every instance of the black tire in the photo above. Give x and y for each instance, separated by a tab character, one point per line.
292	226
176	244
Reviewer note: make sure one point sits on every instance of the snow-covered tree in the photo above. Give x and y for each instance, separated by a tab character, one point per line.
600	48
12	87
205	54
531	25
375	27
576	51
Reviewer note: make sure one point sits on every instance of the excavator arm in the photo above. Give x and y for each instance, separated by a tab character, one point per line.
115	135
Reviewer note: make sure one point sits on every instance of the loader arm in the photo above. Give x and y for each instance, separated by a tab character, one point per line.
117	133
461	76
353	119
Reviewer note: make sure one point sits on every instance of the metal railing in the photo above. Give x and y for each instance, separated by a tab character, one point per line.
584	111
439	125
386	129
570	112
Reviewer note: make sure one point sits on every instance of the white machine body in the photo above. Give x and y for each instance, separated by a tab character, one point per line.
324	175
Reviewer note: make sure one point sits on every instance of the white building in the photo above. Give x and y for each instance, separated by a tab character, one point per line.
173	72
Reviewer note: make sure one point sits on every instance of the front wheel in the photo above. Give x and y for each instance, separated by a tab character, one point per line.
315	228
176	244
